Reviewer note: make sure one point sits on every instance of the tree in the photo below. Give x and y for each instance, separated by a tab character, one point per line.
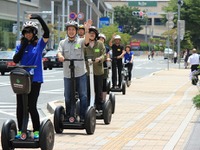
123	17
110	30
190	13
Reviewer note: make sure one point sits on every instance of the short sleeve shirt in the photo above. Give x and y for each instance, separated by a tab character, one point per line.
73	50
128	56
117	50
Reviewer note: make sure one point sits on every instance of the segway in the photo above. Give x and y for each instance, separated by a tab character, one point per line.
62	121
107	109
122	88
21	84
125	74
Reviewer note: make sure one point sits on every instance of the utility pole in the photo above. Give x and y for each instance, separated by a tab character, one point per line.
18	19
178	37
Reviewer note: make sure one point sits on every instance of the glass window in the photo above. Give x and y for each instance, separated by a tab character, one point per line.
158	21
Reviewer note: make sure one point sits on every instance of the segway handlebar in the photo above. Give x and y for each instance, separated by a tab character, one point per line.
66	59
23	66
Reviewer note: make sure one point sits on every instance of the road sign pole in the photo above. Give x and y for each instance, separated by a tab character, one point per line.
178	40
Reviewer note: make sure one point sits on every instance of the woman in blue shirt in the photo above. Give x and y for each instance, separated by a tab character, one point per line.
29	53
128	60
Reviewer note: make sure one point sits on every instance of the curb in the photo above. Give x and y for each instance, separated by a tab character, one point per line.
51	105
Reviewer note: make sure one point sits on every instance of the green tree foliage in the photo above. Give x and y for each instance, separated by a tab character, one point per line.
190	13
123	17
110	30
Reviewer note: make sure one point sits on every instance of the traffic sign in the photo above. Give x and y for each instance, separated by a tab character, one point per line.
80	16
170	16
170	24
151	13
72	15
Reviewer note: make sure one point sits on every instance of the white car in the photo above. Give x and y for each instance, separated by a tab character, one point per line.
168	53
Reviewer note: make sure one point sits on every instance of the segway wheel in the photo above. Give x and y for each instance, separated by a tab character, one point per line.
8	133
108	87
90	120
59	116
107	112
112	99
123	88
46	138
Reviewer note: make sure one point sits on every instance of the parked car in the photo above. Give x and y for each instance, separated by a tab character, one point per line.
6	61
50	60
168	53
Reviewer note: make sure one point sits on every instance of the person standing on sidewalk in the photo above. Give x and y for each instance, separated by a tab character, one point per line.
186	56
72	48
175	57
117	55
29	53
128	60
96	51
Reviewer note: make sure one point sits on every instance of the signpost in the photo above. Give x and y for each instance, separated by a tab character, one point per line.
80	16
72	15
170	25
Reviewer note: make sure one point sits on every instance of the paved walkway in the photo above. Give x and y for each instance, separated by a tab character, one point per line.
156	113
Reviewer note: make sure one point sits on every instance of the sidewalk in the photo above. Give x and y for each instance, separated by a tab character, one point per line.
156	113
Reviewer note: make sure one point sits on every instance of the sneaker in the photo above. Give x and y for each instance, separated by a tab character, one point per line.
19	133
36	134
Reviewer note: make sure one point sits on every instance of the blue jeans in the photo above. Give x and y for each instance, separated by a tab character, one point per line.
81	86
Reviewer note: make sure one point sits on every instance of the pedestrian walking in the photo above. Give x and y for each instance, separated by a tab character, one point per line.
194	62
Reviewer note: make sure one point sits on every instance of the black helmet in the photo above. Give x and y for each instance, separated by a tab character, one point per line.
30	26
71	23
94	29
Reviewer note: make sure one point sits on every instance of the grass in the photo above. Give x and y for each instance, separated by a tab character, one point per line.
196	101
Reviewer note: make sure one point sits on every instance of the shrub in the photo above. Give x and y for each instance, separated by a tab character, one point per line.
196	101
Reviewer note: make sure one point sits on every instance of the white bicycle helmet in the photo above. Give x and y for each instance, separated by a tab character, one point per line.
30	26
71	23
102	35
117	37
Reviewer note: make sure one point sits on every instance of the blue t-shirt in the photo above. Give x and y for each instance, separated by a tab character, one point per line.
33	56
128	56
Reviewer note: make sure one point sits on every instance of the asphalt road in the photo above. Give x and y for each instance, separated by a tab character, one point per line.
52	88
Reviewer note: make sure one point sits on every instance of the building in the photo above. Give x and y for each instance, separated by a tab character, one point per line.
51	10
154	11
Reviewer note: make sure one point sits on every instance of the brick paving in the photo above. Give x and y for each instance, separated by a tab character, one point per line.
156	113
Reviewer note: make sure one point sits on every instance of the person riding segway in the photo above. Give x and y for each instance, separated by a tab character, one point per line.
96	51
77	115
117	55
128	64
26	84
106	82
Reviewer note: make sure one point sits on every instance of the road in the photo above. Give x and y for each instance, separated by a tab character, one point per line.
52	89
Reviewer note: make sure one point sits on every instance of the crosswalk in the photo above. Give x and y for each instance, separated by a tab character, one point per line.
8	108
